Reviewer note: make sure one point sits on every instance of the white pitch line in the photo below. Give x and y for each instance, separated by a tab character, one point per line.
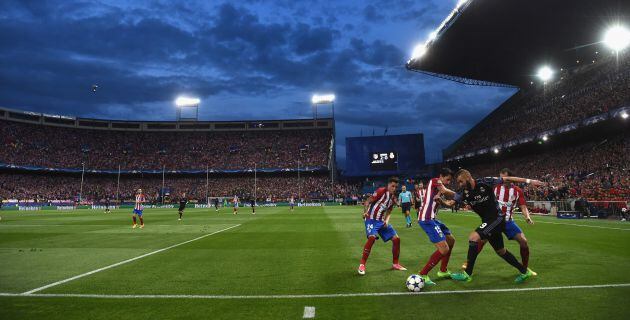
309	313
304	296
564	224
123	262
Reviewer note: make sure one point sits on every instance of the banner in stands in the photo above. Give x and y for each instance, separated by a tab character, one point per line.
146	171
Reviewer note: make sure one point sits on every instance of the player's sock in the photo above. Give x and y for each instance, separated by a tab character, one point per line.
367	248
480	245
134	219
141	221
473	248
445	258
180	216
525	256
408	218
511	259
396	249
433	261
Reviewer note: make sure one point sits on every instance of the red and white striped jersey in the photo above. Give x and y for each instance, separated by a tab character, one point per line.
419	195
509	197
429	206
383	201
139	202
235	200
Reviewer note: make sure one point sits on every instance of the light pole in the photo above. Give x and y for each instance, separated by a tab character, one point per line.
316	100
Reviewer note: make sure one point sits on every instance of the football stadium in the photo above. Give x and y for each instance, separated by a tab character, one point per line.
189	160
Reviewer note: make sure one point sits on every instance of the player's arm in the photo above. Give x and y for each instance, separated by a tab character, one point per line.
523	205
457	198
389	214
534	182
448	193
366	206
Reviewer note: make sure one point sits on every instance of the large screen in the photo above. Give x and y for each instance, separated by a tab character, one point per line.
384	161
384	155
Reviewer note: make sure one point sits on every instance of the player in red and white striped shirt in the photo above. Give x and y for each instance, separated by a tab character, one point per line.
439	234
509	197
138	208
377	210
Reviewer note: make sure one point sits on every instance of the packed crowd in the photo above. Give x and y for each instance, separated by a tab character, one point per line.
577	94
97	188
594	171
59	147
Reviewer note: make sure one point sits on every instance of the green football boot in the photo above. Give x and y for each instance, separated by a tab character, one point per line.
461	276
523	276
444	275
427	280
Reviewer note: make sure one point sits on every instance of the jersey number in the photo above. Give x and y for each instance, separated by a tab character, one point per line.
483	225
369	228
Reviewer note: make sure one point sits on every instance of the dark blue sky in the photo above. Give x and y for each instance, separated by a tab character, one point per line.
245	59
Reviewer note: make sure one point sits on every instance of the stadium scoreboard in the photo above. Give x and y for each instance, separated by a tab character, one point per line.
380	161
384	155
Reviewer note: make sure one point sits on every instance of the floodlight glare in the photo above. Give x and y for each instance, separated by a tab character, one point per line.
545	73
323	98
419	51
545	138
624	115
496	150
617	38
433	35
187	102
461	3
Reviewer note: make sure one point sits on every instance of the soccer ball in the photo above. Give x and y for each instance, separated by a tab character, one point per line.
415	283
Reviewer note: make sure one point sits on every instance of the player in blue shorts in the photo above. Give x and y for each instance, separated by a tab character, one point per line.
404	199
438	233
378	209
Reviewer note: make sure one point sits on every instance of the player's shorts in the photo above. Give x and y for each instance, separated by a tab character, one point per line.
377	228
236	205
182	208
511	229
435	229
138	212
406	206
492	231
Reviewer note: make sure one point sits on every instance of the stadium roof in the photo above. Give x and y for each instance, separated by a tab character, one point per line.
499	42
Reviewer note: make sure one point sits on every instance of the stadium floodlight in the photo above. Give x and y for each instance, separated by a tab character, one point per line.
419	51
433	35
624	115
617	38
323	98
545	73
187	102
545	138
496	150
460	3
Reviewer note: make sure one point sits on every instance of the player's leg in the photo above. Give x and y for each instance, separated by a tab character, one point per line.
450	240
524	248
141	219
133	217
371	232
496	241
473	241
389	233
480	245
181	212
438	238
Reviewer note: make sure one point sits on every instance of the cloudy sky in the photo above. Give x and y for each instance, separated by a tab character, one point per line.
245	59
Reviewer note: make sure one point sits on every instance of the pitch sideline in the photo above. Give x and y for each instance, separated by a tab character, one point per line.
307	296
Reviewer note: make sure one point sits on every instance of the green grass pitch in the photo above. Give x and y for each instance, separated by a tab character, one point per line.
294	260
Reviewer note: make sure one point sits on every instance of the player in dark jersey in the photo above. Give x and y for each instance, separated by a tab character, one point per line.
182	205
216	204
107	205
418	195
252	203
479	195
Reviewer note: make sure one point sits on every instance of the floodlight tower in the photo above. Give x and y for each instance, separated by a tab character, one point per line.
187	103
319	99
